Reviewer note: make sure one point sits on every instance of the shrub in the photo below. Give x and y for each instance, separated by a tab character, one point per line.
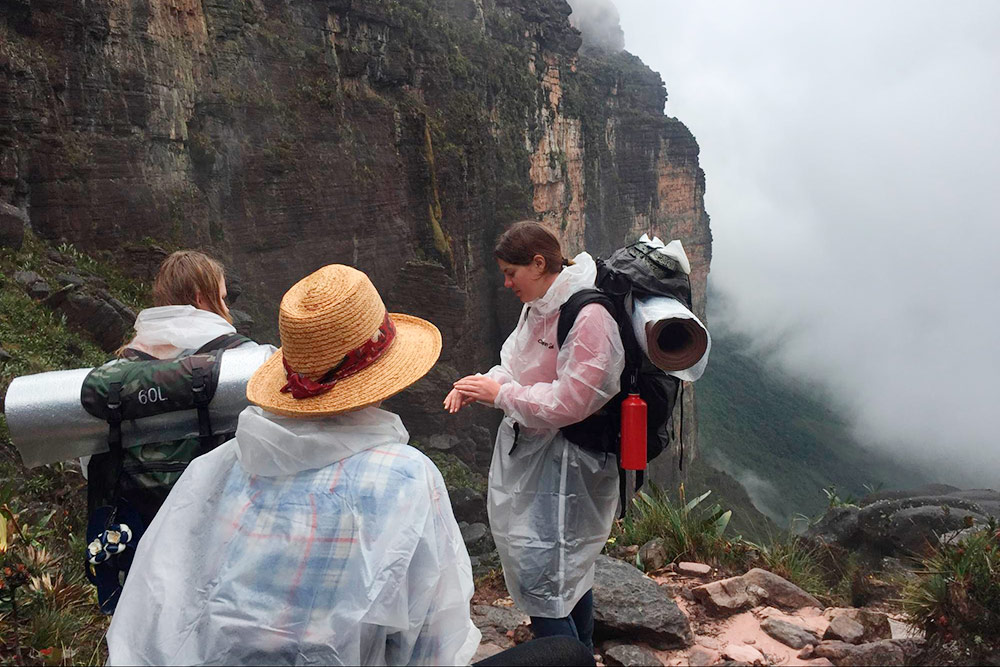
688	530
794	559
956	596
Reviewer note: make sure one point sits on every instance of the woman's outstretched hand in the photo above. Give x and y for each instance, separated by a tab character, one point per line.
455	401
478	388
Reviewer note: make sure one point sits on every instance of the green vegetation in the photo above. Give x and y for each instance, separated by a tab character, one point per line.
456	474
687	530
48	611
956	597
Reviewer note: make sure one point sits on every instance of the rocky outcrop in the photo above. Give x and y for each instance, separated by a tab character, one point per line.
399	137
904	523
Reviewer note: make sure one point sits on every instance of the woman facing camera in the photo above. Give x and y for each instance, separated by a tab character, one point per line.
551	503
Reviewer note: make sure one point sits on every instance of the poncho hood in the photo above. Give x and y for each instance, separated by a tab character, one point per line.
180	327
580	275
271	445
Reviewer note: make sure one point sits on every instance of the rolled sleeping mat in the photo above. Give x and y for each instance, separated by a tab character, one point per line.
48	423
672	336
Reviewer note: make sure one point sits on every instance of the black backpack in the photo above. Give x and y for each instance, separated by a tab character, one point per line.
127	485
633	271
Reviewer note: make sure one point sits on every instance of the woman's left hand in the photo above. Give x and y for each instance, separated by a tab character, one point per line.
479	387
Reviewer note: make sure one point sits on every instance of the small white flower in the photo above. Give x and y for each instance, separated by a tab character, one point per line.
114	537
94	547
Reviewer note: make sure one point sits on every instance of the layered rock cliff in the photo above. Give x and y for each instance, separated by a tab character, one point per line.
397	136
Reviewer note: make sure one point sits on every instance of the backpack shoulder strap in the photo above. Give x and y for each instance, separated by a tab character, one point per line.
131	354
223	342
569	310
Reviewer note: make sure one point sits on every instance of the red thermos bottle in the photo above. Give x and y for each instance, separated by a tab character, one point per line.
633	433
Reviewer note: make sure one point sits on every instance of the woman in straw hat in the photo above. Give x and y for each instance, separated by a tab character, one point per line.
551	503
317	535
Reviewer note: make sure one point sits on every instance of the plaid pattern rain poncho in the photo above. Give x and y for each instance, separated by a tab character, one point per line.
325	541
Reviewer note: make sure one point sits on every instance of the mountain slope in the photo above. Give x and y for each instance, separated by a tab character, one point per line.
780	439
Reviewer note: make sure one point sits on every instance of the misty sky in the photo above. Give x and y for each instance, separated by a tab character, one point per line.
852	154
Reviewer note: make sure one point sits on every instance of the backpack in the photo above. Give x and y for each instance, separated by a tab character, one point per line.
634	271
127	485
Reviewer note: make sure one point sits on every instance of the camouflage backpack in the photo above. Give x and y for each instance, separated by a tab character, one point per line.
127	485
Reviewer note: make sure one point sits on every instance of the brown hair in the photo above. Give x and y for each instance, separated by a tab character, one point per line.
186	274
527	238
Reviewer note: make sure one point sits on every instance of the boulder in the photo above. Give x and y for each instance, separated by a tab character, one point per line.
468	505
628	604
846	629
752	589
12	223
901	523
789	634
741	653
626	655
504	619
97	317
33	284
874	625
653	555
885	652
472	533
242	321
65	279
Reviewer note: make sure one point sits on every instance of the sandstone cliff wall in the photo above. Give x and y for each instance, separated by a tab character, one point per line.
396	136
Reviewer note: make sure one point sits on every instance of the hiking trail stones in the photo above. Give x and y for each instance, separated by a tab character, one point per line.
753	589
627	655
630	604
789	634
874	625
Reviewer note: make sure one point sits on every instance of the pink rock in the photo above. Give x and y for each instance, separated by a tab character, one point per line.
745	654
694	569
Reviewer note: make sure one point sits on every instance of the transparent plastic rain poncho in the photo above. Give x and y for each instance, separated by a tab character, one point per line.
301	541
551	504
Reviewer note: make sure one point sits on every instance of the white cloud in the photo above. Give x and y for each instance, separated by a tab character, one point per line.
852	151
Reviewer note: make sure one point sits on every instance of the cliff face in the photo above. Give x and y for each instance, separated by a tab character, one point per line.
397	136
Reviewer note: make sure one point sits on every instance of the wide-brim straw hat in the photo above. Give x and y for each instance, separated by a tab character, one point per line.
324	317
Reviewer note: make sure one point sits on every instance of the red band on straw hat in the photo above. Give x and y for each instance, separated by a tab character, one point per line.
358	359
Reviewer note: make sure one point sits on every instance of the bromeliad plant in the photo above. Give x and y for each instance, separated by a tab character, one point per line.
688	529
956	597
47	609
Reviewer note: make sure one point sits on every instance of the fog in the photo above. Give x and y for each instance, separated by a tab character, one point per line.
852	154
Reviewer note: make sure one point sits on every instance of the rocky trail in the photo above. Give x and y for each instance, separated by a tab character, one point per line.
685	614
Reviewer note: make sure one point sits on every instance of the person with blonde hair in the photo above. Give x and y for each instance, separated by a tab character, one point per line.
317	535
189	316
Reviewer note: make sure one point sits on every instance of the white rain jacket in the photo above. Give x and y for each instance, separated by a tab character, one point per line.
301	541
166	331
551	504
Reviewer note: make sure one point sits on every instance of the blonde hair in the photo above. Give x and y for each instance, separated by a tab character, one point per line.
187	274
